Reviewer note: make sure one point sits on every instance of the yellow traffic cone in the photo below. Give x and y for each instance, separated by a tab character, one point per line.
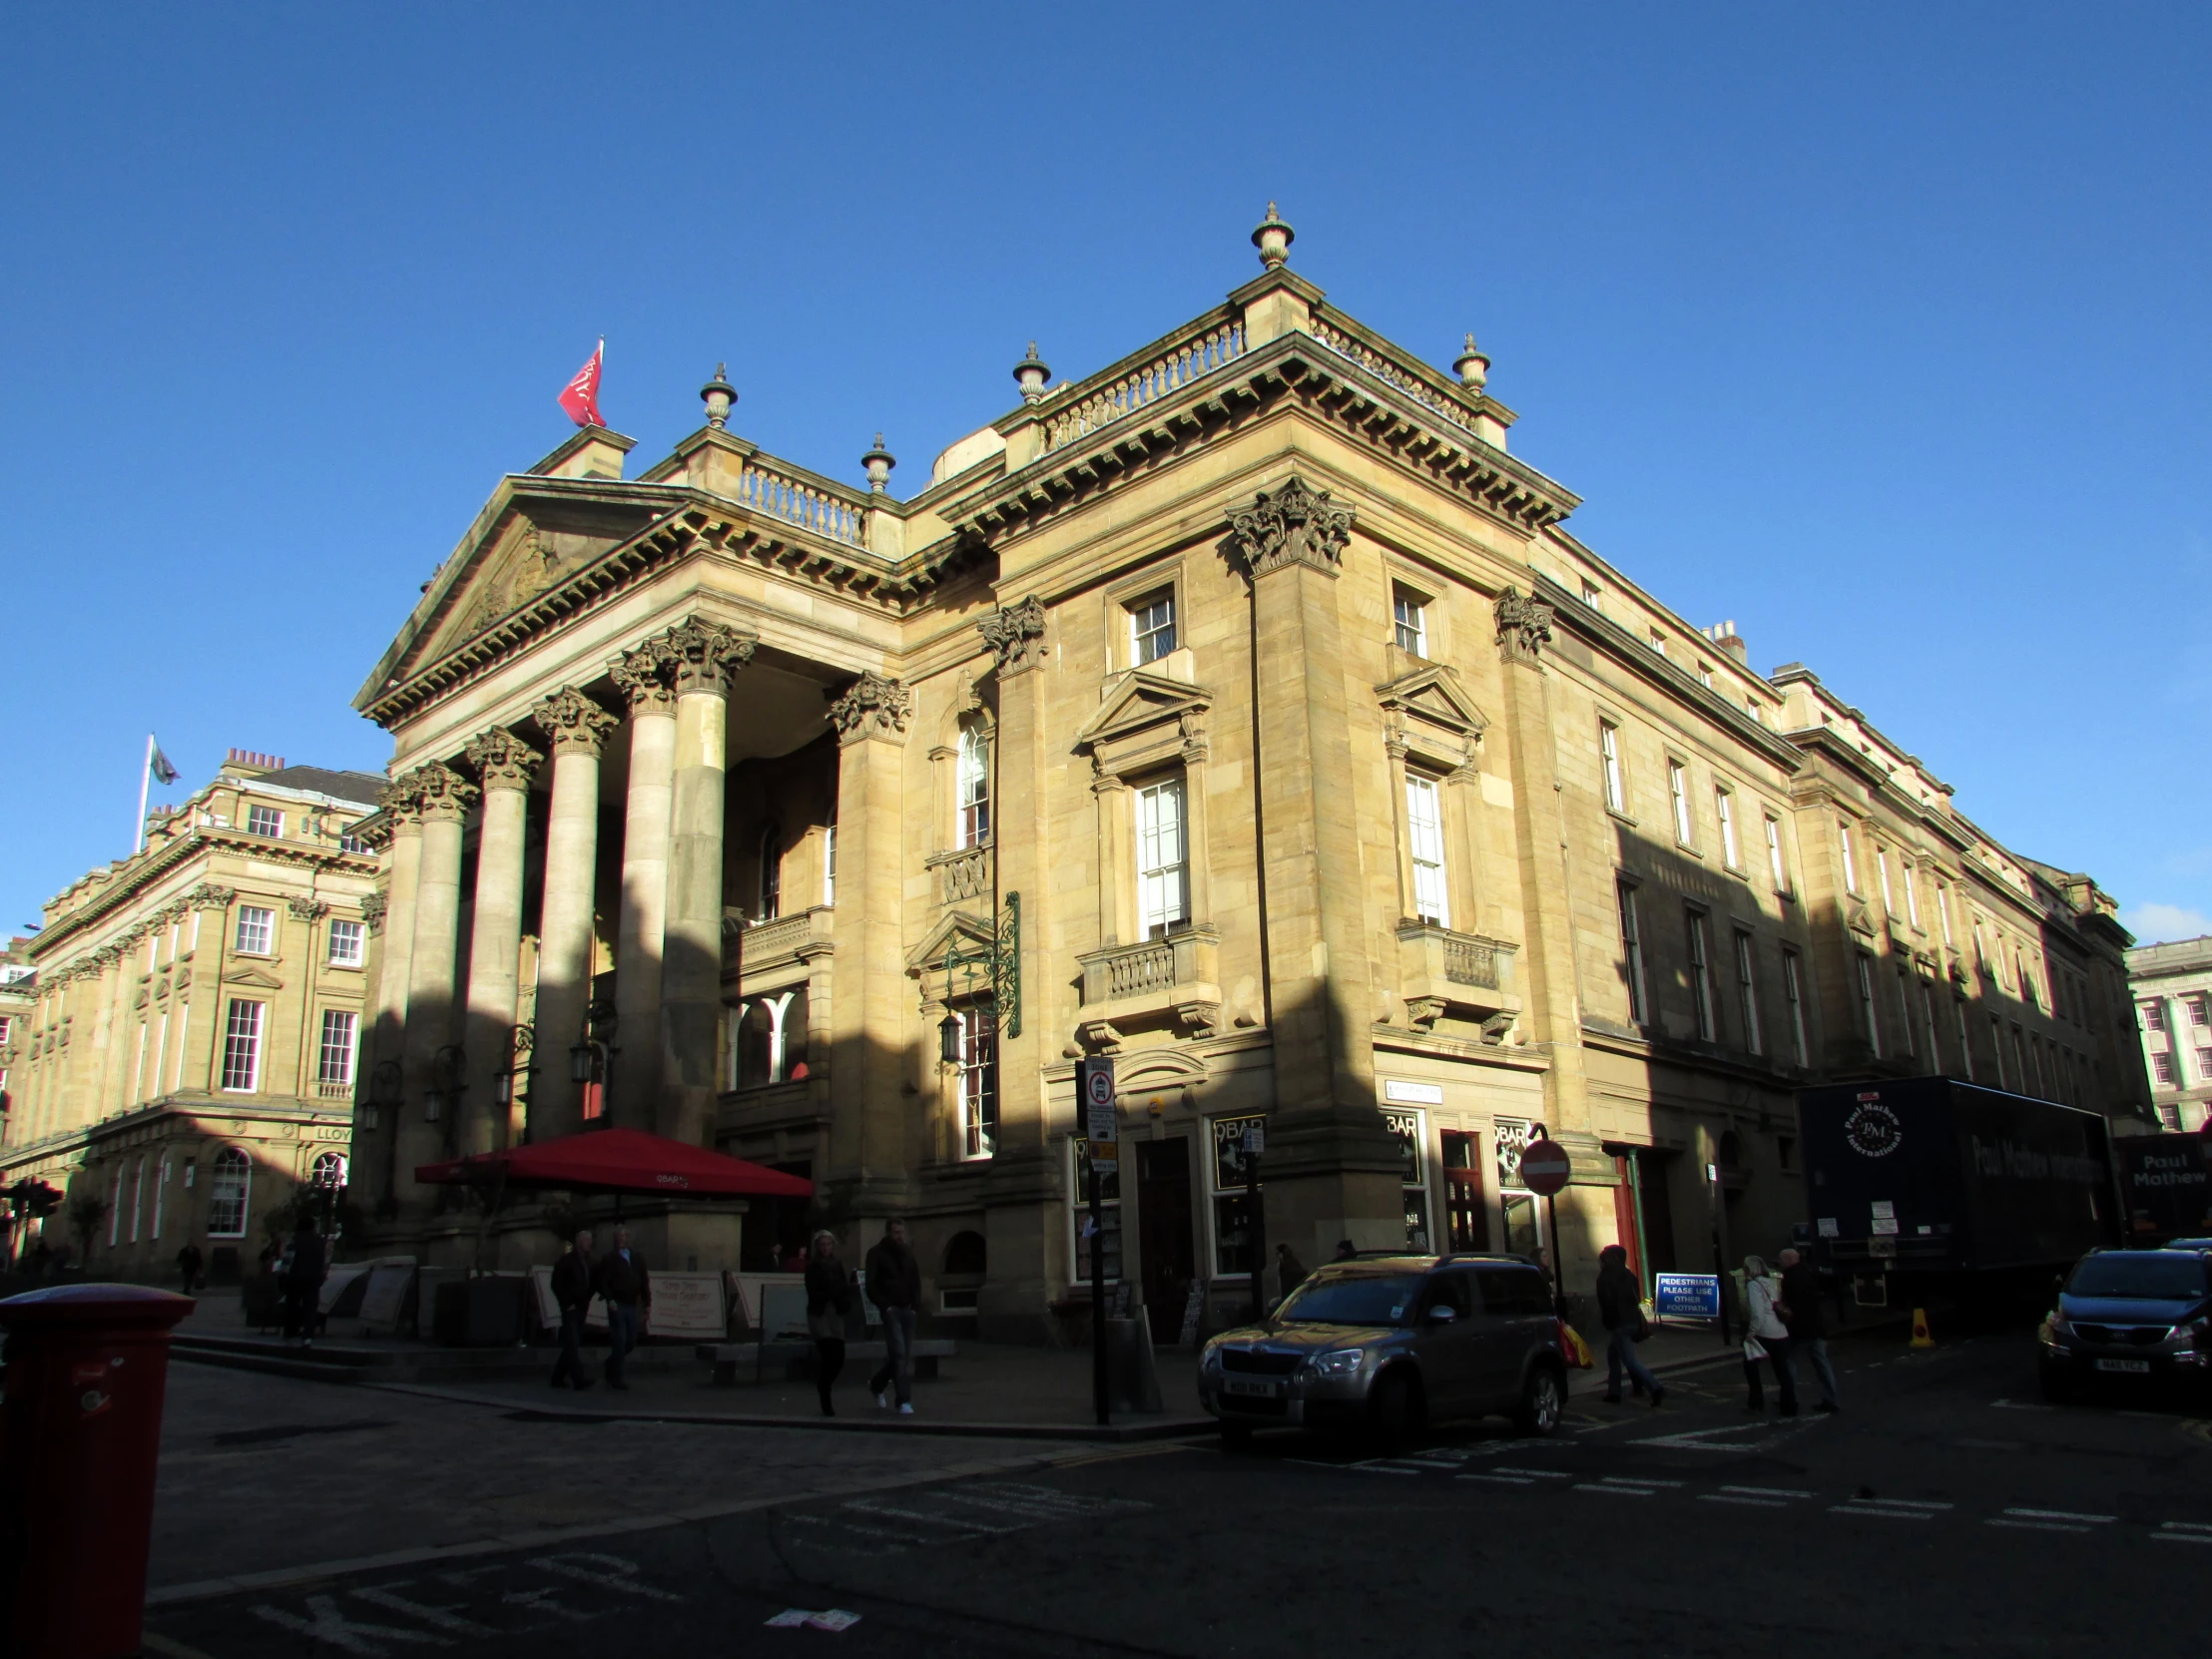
1921	1337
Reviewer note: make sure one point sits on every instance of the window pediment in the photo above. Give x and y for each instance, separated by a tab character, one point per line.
959	931
1427	712
1145	720
245	973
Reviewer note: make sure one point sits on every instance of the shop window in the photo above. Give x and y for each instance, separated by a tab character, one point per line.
1080	1175
1406	1126
329	1172
1234	1234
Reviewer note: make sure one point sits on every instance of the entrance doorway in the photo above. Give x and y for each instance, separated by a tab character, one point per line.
1165	1254
1466	1215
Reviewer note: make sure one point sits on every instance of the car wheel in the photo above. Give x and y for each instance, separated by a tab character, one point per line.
1543	1402
1391	1412
1236	1436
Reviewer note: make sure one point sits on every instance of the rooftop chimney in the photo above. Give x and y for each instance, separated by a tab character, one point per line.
250	763
1724	634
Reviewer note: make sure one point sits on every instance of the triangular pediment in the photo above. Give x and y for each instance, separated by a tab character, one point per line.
252	974
958	931
1434	695
1137	702
1858	920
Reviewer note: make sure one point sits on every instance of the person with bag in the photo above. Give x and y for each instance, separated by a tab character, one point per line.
1620	1309
1767	1338
829	1300
1800	1312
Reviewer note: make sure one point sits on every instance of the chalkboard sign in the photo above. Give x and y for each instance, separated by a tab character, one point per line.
1194	1308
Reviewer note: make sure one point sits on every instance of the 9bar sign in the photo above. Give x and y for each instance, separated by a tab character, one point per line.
1094	1088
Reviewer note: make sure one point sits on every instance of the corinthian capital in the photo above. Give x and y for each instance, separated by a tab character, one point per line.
440	792
1015	634
871	707
576	725
209	896
703	657
1523	626
1292	524
644	677
502	759
373	907
399	804
306	909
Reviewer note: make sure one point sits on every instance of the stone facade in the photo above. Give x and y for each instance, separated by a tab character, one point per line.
1244	712
187	1056
2172	989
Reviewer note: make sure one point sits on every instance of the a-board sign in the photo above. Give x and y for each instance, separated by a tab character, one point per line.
1545	1167
386	1294
688	1305
1687	1296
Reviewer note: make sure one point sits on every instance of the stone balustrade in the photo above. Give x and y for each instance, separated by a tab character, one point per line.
767	947
1123	389
1154	981
796	496
1463	974
965	875
1432	391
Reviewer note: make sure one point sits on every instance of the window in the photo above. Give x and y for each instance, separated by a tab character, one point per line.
1928	1018
7	1026
1658	642
1590	594
1233	1239
1632	955
1997	1048
2204	1065
229	1185
978	1082
328	1171
1775	865
1965	1048
1747	993
1410	612
352	844
2154	1017
1912	900
1412	1179
1152	626
1425	824
2162	1070
1882	872
1793	992
257	931
1851	865
1866	1016
1905	1011
334	1055
2199	1015
974	785
160	1195
1705	675
1943	913
345	944
771	872
1163	871
1678	791
1758	715
1724	803
2026	981
1701	978
830	864
1609	754
138	1196
1109	1214
241	1046
264	820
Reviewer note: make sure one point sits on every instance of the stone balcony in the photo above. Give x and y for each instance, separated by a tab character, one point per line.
1462	974
782	949
1168	982
965	875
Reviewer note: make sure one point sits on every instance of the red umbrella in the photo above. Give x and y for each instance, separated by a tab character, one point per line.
620	1161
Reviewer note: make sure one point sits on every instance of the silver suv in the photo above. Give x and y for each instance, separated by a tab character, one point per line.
1388	1344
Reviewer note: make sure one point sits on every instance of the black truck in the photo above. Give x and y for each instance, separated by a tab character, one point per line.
1929	1179
2164	1178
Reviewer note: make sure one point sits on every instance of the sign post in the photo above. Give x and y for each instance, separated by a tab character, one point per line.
1094	1085
1544	1169
1254	1144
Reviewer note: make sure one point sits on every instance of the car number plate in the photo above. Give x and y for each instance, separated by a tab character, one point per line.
1241	1385
2135	1366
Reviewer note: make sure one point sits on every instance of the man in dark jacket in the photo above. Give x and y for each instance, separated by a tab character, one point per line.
305	1268
1620	1309
621	1278
189	1263
894	1286
572	1292
1802	1318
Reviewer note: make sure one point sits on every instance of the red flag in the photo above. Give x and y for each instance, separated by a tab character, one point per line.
580	397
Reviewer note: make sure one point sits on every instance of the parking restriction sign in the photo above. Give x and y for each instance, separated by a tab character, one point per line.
1095	1083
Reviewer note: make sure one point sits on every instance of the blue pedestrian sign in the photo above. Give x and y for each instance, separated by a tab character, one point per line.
1687	1296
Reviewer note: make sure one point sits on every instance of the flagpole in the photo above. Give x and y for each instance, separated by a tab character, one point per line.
146	775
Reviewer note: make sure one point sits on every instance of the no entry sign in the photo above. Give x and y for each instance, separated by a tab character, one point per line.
1545	1167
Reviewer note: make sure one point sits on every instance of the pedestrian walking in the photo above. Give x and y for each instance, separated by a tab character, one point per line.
306	1265
187	1267
1289	1271
571	1292
1808	1326
1620	1309
1765	1339
894	1286
829	1299
622	1279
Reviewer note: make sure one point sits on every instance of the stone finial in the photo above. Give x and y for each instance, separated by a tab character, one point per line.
1292	524
874	706
717	394
1030	374
1273	237
878	462
1472	366
572	722
502	759
1015	634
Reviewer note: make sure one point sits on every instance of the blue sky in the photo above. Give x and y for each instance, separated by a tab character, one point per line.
1881	330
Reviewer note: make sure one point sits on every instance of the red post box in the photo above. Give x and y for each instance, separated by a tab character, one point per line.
80	1434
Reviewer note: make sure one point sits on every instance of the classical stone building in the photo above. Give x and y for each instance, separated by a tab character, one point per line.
1244	711
2172	986
188	1051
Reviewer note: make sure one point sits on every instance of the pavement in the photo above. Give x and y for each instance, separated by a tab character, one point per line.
1947	1508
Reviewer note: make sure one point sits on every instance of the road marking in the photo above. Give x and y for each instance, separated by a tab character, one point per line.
1891	1509
2033	1525
1747	1502
1635	1480
1616	1492
1886	1514
2063	1514
2021	1406
326	1624
1534	1474
1385	1465
441	1618
951	1523
2182	1532
623	1575
1767	1491
1505	1479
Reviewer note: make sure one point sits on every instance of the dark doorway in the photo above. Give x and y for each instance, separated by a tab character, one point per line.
1654	1179
1165	1254
1467	1216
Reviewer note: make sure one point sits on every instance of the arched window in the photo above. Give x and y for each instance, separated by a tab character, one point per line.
965	1254
229	1185
771	872
329	1171
974	785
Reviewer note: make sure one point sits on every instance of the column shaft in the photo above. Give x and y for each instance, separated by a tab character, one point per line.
872	997
577	727
640	929
495	945
445	797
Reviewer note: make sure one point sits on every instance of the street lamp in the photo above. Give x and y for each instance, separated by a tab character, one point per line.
949	1039
503	1082
591	1058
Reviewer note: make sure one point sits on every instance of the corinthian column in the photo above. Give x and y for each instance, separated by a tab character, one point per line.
646	679
577	727
702	659
505	765
443	797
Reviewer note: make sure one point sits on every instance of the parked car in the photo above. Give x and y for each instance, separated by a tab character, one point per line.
1388	1344
2129	1314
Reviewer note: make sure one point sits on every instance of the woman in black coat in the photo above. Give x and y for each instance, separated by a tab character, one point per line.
829	1299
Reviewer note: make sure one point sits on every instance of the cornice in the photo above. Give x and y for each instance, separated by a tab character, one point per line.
199	840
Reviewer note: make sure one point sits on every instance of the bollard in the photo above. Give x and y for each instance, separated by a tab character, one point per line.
80	1434
1921	1336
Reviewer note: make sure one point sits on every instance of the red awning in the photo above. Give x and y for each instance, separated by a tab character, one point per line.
621	1161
